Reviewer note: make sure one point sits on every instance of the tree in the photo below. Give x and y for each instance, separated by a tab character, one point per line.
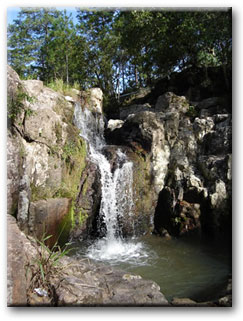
117	50
43	43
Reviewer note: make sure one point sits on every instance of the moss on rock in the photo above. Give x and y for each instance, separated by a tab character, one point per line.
144	196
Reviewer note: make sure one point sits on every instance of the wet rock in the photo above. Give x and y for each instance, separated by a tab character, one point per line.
185	302
46	217
87	203
93	100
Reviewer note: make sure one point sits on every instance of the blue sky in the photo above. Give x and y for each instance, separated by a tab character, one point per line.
13	12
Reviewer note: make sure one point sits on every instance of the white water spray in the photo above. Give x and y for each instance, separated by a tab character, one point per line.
116	191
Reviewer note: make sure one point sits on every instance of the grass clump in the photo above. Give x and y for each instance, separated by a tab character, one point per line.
45	266
63	88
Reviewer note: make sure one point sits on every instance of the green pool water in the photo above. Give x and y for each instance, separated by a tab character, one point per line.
186	267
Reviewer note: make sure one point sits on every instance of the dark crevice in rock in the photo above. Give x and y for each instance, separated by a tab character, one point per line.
28	139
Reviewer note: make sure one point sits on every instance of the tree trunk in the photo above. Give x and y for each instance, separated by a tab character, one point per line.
123	78
136	76
67	76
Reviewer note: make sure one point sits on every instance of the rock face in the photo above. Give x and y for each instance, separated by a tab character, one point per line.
18	249
87	202
188	159
92	99
74	282
133	109
46	156
45	216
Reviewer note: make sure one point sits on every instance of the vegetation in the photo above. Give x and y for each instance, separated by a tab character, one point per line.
117	50
16	104
45	266
63	88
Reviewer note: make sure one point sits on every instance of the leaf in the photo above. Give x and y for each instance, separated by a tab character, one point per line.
42	271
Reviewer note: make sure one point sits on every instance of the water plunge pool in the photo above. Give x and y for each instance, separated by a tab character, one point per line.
182	267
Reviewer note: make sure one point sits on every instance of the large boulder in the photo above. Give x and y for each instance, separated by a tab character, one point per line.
99	285
19	251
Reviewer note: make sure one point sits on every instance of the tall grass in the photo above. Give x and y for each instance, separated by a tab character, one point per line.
45	266
60	86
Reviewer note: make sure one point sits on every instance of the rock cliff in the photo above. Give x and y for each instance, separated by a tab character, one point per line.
185	149
180	148
47	163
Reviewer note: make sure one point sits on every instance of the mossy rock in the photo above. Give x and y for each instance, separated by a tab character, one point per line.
144	195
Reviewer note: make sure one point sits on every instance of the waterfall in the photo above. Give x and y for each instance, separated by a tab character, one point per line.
116	190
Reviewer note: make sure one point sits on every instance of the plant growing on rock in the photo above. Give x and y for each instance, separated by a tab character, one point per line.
16	104
44	267
192	112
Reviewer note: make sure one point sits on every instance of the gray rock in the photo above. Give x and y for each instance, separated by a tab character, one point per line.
23	208
14	157
133	109
93	100
114	123
103	285
33	87
19	252
172	102
189	156
44	147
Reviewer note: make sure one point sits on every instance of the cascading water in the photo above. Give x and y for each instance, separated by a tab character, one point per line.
181	268
116	192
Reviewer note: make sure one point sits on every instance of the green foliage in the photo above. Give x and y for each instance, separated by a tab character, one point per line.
192	112
45	265
177	220
116	50
81	215
60	86
16	104
69	149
